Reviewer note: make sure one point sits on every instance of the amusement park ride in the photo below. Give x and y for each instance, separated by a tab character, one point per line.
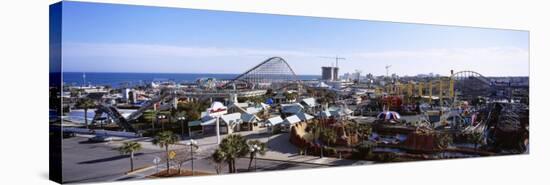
464	85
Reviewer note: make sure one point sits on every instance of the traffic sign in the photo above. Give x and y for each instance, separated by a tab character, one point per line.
171	154
156	160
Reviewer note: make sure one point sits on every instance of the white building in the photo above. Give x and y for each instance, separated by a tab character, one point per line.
289	122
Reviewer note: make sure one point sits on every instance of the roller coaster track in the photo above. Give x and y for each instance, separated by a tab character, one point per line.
472	84
274	69
468	74
113	113
124	122
149	104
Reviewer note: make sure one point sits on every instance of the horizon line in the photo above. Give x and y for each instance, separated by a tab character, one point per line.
241	73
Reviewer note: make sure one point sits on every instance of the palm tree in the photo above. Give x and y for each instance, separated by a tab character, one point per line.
329	135
150	116
231	148
164	140
256	147
219	158
130	148
85	103
308	138
315	131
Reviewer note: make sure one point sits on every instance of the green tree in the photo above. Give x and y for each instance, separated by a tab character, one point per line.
256	147
308	138
290	95
257	99
329	136
76	92
164	140
85	103
149	116
218	157
130	148
231	148
316	130
193	109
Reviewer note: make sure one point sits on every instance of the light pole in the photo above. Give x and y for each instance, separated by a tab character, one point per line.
254	148
181	119
161	116
192	143
218	130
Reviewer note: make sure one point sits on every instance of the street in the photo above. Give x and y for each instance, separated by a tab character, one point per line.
94	162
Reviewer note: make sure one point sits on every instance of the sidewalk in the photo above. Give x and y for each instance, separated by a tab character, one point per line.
315	160
279	148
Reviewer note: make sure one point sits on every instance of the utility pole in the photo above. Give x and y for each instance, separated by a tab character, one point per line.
388	70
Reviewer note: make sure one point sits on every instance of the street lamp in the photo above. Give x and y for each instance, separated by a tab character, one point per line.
254	148
181	119
161	116
192	143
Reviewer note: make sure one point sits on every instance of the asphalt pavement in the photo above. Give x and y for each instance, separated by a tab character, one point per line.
98	162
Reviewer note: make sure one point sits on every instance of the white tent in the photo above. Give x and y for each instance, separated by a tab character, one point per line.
274	121
310	102
291	120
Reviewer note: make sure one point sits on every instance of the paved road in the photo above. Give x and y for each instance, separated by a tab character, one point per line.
95	162
92	162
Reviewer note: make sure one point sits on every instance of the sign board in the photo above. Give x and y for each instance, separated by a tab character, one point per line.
156	160
171	154
217	109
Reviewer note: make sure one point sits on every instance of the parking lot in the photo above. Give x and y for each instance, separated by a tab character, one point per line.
84	161
91	162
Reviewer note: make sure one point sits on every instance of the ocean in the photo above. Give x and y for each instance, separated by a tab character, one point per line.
133	79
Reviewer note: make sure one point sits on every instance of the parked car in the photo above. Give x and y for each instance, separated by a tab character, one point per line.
100	139
68	134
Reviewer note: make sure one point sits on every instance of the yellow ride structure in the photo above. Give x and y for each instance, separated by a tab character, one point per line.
441	88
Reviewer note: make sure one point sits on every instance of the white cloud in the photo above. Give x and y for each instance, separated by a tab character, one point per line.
152	50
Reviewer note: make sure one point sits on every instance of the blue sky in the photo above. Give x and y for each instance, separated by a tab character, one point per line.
123	38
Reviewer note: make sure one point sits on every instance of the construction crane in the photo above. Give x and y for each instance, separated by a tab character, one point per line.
336	58
388	70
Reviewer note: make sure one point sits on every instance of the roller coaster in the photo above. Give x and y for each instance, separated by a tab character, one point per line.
272	73
125	122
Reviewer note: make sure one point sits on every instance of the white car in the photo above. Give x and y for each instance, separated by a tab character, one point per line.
100	139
